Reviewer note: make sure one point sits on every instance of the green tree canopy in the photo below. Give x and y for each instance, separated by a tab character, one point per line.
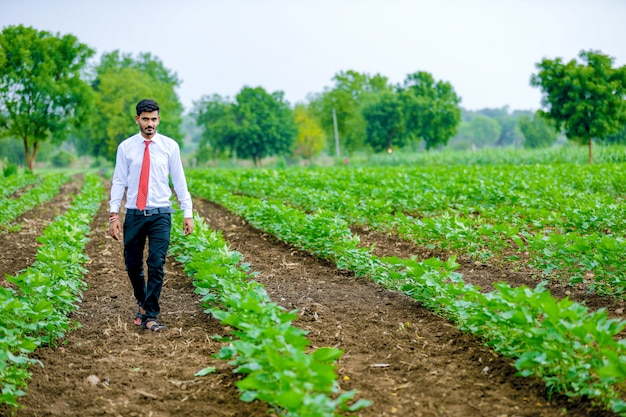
584	99
265	124
351	92
538	131
311	139
120	83
431	109
617	138
385	123
42	94
215	116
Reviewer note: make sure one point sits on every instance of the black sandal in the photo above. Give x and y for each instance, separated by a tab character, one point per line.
156	327
137	319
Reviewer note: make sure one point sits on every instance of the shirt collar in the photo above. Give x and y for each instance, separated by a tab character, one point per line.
156	138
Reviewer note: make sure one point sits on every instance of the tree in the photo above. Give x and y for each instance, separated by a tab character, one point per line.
311	139
351	92
585	100
538	131
617	138
42	94
265	124
431	109
215	116
121	81
385	123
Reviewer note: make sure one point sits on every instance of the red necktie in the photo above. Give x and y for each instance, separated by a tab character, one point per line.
142	194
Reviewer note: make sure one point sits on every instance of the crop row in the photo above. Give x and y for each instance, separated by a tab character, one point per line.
36	311
11	209
572	349
569	219
264	345
10	184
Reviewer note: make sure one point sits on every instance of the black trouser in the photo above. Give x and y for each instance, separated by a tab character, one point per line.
156	228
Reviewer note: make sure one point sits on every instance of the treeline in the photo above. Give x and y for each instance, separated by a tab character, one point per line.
55	99
359	112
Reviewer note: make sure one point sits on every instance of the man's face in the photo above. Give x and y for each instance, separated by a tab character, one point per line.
148	123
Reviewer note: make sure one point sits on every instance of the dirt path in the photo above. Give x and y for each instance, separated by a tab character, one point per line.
408	361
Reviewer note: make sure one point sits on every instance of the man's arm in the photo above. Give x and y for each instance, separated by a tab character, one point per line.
118	186
119	182
115	226
180	187
188	225
180	183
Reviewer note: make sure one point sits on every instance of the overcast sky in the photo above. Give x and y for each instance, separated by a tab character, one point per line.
487	49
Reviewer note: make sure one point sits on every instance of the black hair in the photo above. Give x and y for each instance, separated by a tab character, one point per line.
147	106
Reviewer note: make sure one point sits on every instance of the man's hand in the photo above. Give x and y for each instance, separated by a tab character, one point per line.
188	226
115	229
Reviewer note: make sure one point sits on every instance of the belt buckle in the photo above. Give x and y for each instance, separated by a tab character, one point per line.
145	213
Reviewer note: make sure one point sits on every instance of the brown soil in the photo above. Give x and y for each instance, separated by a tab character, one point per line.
397	354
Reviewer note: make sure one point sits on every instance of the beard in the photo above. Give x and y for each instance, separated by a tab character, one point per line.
148	131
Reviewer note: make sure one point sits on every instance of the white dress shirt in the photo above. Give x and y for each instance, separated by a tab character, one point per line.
164	159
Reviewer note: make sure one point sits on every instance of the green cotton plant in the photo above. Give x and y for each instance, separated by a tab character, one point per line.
576	352
484	212
45	190
15	343
264	345
12	183
36	312
322	234
594	255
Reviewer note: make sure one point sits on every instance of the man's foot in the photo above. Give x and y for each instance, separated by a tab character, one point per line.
137	320
153	325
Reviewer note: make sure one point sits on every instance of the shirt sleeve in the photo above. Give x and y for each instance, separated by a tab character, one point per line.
180	182
118	183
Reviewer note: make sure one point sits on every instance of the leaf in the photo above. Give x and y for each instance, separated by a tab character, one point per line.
290	400
206	371
360	404
248	396
327	354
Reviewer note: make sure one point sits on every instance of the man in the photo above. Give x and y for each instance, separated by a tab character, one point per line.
142	166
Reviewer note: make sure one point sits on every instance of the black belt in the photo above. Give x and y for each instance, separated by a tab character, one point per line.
150	212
